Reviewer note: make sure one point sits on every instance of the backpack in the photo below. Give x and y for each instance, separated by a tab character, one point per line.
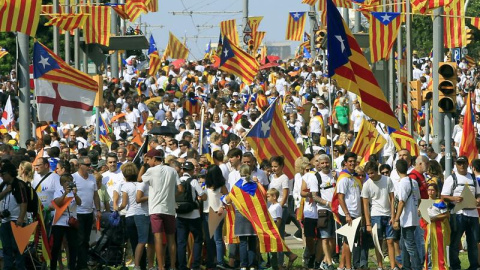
455	184
32	197
396	200
185	201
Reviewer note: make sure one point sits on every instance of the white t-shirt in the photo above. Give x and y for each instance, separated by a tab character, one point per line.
462	181
326	189
275	211
409	215
279	184
133	208
63	220
310	207
378	193
357	117
85	190
162	181
112	180
297	188
349	187
47	188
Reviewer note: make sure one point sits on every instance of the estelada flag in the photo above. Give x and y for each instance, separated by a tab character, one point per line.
402	139
295	25
270	136
63	93
228	29
250	201
365	138
383	31
348	65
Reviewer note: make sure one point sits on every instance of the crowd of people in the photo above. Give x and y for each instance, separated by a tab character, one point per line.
162	197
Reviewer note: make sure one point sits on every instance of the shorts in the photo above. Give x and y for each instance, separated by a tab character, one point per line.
144	231
163	223
310	228
384	229
329	230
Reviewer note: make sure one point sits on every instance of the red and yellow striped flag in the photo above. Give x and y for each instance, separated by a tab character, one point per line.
257	40
432	4
454	25
348	65
374	148
135	8
229	224
365	138
322	7
154	64
120	10
175	49
475	22
3	52
152	5
20	16
97	27
468	146
228	29
383	32
403	140
419	6
68	22
238	62
438	238
343	3
309	2
271	137
263	53
295	25
254	22
253	206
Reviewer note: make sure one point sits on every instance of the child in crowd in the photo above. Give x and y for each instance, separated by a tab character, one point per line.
275	211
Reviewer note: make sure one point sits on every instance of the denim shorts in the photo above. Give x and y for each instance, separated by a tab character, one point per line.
384	229
144	231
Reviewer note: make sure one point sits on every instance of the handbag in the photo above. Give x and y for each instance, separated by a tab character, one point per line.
72	221
323	217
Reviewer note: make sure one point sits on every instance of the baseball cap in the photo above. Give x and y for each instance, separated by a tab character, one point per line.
156	153
188	166
462	159
235	94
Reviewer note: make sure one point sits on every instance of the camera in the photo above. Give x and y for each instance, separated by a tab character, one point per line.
71	185
6	213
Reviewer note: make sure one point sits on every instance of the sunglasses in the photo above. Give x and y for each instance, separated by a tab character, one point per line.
385	172
87	164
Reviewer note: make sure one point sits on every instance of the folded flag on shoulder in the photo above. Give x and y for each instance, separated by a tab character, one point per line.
63	93
348	66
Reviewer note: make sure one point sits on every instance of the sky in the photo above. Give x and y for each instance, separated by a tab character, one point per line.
275	14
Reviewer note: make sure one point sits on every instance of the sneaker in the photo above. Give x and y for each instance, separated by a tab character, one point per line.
298	234
243	268
330	267
323	265
287	235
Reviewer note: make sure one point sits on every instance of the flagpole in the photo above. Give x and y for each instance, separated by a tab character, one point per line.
202	119
67	35
331	117
113	30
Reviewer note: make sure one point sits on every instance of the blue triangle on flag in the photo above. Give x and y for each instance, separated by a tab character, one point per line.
385	17
43	62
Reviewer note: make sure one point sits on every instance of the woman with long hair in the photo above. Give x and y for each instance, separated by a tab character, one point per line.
279	181
25	171
137	218
435	173
215	189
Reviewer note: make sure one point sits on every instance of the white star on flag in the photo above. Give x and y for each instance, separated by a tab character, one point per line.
265	127
226	52
44	61
339	38
296	15
385	17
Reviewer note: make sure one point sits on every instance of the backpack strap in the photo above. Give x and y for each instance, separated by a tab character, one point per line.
455	183
41	181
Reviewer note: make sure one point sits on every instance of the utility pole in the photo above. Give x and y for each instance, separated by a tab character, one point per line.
24	85
67	35
123	30
76	42
114	31
438	121
313	25
358	19
55	28
408	37
245	14
399	82
346	16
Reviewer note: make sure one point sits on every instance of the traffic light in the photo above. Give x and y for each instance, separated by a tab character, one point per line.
447	87
250	44
469	36
428	93
320	38
416	94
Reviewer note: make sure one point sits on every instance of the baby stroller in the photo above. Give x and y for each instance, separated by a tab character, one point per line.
110	248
